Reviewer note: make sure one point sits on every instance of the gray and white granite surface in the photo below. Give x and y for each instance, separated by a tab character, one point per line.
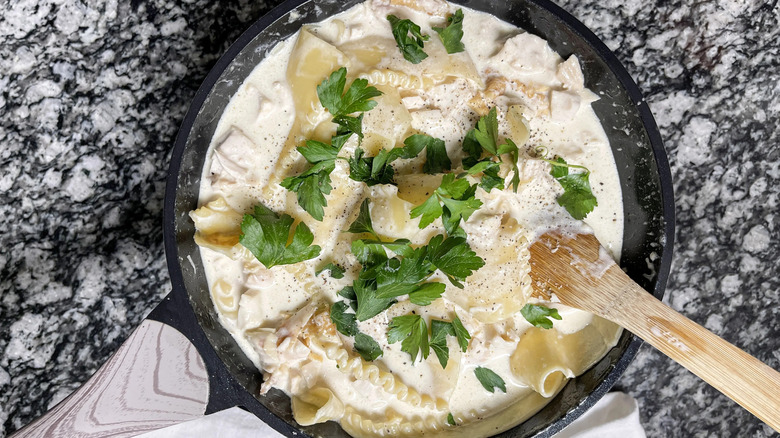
93	92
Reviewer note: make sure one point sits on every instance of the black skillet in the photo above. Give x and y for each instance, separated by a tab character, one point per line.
229	378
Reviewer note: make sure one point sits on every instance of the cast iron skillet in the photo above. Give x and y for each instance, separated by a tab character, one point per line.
634	137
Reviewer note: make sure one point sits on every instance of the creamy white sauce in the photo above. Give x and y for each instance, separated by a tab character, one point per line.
267	310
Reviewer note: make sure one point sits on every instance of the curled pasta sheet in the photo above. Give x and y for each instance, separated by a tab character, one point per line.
226	298
359	425
359	369
316	405
544	359
397	79
217	226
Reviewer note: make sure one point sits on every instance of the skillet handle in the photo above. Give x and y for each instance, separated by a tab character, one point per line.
155	379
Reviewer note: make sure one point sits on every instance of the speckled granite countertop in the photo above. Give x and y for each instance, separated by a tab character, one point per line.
93	92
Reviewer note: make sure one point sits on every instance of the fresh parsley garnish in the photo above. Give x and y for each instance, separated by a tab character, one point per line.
451	420
349	293
411	46
369	304
346	324
483	148
540	316
489	379
378	169
453	257
426	293
265	234
461	334
452	34
384	278
367	347
437	160
362	223
412	331
577	197
335	270
357	98
405	273
439	332
313	184
452	201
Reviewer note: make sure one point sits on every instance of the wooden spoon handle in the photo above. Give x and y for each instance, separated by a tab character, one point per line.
740	376
155	379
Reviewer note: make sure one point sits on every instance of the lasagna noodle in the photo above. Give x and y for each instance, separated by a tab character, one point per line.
544	359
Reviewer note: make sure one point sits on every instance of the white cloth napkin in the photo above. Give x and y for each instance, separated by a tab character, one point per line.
614	416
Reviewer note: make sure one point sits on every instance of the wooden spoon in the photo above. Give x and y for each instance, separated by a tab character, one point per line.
580	273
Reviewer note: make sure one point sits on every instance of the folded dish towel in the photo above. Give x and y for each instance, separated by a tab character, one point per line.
614	416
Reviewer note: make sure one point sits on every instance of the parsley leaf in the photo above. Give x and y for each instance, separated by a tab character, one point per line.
490	177
400	277
359	167
345	322
512	150
472	148
577	197
489	379
437	160
484	139
312	185
426	293
453	200
335	270
378	169
540	316
367	347
368	254
486	132
411	46
265	234
357	98
428	211
412	331
451	420
461	334
454	257
368	303
452	34
363	222
317	151
349	293
439	332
